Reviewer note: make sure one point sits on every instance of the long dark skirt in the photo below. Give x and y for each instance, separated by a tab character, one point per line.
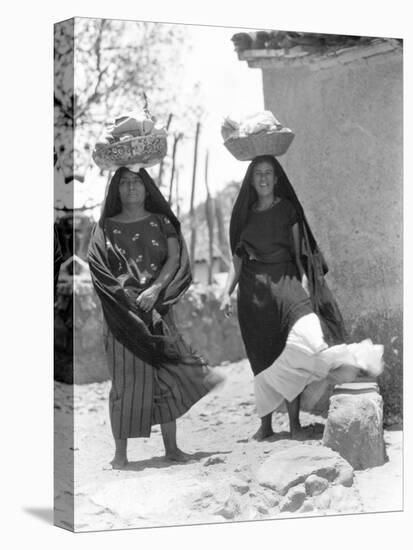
270	300
142	395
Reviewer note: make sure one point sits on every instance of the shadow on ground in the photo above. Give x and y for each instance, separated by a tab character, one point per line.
313	431
310	432
158	462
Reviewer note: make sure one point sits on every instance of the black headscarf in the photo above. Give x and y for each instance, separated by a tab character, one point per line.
124	321
312	259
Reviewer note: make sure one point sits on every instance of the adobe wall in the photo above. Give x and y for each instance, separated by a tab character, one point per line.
346	166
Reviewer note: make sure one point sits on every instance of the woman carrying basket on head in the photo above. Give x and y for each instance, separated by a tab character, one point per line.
285	309
139	267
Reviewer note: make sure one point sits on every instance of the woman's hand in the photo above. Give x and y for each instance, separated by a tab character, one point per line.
131	294
226	305
147	299
305	283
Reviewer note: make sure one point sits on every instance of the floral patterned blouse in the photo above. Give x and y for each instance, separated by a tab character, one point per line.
137	250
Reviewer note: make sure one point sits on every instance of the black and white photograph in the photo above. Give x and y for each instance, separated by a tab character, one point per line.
206	310
228	274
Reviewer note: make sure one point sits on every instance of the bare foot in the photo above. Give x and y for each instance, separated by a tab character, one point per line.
298	433
317	428
119	462
262	434
177	456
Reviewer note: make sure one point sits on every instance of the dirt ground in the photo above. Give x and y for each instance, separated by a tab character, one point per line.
217	431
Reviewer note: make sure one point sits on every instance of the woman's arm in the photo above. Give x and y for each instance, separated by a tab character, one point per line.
170	266
147	299
232	280
233	275
296	239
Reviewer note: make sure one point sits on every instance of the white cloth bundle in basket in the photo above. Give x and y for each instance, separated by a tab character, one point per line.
254	135
132	141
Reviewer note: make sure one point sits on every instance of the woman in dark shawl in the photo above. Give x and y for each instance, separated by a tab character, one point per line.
139	266
286	312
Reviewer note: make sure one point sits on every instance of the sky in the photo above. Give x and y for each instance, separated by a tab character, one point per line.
227	86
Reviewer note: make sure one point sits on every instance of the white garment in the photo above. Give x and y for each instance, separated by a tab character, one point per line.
307	358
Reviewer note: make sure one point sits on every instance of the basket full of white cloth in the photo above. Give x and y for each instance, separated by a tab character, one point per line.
255	135
131	141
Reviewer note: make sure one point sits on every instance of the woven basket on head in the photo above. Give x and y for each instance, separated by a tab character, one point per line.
144	150
262	143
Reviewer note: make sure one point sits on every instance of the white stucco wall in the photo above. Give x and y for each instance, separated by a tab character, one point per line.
346	166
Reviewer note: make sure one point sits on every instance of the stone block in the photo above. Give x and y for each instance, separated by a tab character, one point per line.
354	426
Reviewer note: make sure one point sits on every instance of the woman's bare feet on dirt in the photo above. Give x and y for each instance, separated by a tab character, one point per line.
263	433
265	430
119	462
177	455
297	433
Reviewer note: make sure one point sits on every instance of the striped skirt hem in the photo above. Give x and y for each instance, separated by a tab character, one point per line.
142	395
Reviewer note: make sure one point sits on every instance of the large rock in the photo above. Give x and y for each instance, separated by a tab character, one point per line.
289	467
294	499
169	499
315	485
354	428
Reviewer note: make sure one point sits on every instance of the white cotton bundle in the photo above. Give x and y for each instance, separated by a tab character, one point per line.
236	126
347	362
264	121
229	127
134	141
247	137
132	125
368	357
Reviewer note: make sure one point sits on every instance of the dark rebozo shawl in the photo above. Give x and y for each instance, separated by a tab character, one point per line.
314	264
123	321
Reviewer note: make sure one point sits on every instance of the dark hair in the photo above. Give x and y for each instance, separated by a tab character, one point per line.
247	196
281	185
154	200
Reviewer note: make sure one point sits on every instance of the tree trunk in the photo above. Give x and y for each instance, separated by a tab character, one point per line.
192	217
177	193
209	207
222	237
177	137
160	173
